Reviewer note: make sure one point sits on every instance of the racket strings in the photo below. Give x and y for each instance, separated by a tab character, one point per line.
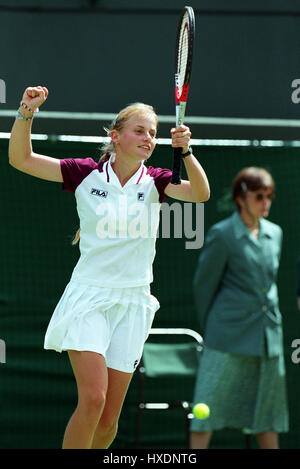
183	52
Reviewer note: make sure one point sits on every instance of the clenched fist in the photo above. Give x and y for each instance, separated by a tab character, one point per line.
35	96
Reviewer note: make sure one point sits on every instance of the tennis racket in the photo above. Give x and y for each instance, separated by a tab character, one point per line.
183	67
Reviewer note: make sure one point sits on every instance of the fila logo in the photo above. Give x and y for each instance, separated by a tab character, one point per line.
135	363
99	193
141	196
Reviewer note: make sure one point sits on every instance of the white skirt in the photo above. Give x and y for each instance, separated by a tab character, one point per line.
114	322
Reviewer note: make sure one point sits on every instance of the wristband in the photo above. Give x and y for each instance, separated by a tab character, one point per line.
26	107
20	116
187	153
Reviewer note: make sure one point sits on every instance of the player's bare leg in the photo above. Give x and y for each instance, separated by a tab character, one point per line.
268	440
106	430
200	440
91	377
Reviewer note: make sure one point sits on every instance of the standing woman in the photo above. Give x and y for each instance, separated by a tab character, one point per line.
241	374
106	310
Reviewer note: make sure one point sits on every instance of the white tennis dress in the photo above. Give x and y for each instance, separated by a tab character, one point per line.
107	306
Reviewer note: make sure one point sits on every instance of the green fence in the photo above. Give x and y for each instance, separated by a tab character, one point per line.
38	221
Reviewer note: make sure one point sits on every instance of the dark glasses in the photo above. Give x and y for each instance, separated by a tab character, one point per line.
259	196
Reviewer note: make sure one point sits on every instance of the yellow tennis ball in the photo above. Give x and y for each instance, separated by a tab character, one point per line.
201	411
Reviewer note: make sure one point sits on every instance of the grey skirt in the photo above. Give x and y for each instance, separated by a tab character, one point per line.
242	392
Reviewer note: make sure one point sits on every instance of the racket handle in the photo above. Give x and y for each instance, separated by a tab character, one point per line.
177	159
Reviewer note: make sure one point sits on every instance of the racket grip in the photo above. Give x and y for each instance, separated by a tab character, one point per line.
177	159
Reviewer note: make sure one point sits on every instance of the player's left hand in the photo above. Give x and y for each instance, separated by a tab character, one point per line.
181	137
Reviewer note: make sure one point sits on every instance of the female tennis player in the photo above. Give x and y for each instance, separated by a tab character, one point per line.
105	313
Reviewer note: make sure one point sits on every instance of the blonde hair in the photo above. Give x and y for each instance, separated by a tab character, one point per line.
108	148
121	120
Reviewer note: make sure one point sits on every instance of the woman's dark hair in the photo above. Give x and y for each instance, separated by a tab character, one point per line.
251	179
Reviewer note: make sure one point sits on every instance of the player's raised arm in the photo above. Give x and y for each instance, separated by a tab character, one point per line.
21	155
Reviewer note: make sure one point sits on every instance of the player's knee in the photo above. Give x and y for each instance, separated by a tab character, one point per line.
93	401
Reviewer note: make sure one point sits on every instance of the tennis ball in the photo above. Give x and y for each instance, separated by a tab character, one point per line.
201	411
